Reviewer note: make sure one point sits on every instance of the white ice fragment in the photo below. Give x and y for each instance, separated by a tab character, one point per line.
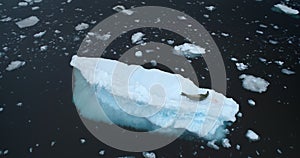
81	26
210	8
22	4
35	8
153	62
280	63
188	49
103	37
225	143
225	34
69	1
101	152
39	34
252	136
57	31
52	143
30	149
255	84
181	17
27	22
241	66
44	48
233	59
1	109
263	26
273	42
37	1
5	152
262	59
122	9
6	19
259	32
239	114
251	102
14	65
139	53
19	104
287	72
279	151
212	144
170	42
238	147
82	141
136	38
149	155
286	9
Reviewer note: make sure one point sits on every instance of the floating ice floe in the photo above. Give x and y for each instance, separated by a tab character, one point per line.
241	66
15	65
210	8
212	144
101	86
149	155
255	84
251	102
6	19
252	136
225	143
286	9
139	53
189	50
287	72
27	22
122	9
81	26
23	4
137	38
39	34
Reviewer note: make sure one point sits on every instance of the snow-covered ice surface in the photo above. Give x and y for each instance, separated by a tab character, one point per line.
189	50
100	81
252	136
15	65
137	38
255	84
286	9
27	22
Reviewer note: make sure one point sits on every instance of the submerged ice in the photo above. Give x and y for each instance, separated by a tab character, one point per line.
145	99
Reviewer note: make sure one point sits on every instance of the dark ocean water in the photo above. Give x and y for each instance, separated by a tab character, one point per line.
44	84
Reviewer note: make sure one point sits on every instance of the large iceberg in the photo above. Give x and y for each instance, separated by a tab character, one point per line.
147	99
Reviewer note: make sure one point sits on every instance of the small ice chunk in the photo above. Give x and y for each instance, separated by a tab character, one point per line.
212	144
225	143
239	114
251	102
233	59
35	8
1	109
170	42
259	32
210	8
101	152
23	4
57	31
255	84
19	104
122	9
279	151
225	34
14	65
241	66
137	37
149	155
69	1
188	49
81	26
238	147
181	17
39	34
44	48
273	42
139	54
52	143
6	19
82	141
30	149
279	62
5	152
27	22
252	136
286	9
103	37
262	59
37	1
287	72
